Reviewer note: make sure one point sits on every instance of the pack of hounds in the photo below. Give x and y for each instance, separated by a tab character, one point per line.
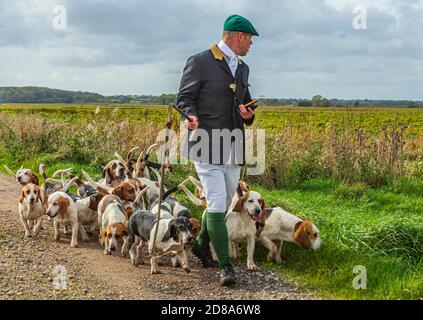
122	209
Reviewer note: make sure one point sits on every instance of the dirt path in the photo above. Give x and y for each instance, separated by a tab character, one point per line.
27	269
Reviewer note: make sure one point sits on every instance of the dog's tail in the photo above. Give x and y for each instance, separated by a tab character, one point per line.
195	181
157	174
102	189
41	169
68	184
169	192
10	172
193	198
147	154
66	172
128	155
141	194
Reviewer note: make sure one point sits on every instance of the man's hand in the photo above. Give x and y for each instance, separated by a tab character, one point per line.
193	124
246	113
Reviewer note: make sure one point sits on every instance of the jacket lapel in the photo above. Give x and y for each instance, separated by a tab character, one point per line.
238	72
218	55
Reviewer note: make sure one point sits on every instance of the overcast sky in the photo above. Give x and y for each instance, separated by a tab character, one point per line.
305	47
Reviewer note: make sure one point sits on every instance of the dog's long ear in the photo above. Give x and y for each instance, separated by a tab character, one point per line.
107	174
125	232
102	235
301	234
173	232
38	190
243	186
94	200
262	204
35	179
240	203
22	196
128	212
118	191
64	204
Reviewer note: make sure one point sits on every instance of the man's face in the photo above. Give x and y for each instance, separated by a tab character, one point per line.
244	43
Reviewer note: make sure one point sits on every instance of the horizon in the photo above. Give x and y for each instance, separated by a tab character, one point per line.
174	93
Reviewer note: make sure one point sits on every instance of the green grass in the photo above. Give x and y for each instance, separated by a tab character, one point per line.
380	229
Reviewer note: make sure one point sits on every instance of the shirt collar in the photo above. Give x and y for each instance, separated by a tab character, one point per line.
226	50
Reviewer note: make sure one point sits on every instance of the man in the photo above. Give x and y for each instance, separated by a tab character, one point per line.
213	91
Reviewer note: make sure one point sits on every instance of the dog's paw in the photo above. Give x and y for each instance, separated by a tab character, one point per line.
74	245
107	252
278	260
271	256
155	272
187	270
252	267
27	235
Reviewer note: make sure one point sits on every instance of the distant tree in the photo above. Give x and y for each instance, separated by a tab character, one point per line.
304	103
319	101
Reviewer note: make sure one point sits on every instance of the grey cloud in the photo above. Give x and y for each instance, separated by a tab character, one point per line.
305	47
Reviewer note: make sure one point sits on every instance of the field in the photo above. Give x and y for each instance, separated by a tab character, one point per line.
357	173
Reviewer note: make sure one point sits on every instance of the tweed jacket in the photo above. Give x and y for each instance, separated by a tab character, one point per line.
205	92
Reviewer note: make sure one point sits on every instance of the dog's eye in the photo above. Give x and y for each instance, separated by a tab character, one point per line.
315	235
251	200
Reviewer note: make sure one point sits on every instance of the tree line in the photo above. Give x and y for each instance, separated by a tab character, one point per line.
48	95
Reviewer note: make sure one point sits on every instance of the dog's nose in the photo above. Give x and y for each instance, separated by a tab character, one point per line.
258	211
112	248
190	238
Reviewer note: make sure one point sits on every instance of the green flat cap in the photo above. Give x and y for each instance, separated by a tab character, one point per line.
237	23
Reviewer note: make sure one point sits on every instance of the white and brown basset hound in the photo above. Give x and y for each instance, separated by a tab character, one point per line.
31	209
23	176
245	210
280	226
63	210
